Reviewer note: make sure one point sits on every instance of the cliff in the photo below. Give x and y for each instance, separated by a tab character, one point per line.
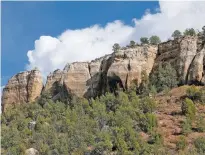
22	87
119	69
186	55
90	79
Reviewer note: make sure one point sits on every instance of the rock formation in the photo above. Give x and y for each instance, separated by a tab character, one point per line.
90	79
53	81
119	69
186	55
31	151
23	87
128	64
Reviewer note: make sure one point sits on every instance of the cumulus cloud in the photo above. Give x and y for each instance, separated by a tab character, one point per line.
77	45
85	44
171	16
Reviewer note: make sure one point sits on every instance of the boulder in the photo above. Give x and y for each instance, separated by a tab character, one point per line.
31	151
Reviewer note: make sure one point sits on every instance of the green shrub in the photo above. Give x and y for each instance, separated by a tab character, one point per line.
196	94
151	122
182	143
144	40
156	138
186	127
116	47
148	122
200	124
190	32
148	105
132	43
188	108
164	77
202	95
193	92
176	34
199	143
154	40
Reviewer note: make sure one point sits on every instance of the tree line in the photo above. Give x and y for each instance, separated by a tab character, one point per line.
155	40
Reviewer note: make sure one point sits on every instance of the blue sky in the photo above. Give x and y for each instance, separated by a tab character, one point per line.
25	22
47	35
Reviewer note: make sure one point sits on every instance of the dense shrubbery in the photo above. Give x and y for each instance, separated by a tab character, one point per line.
190	32
106	124
200	124
144	40
196	94
164	77
182	143
176	34
186	127
154	40
188	108
200	145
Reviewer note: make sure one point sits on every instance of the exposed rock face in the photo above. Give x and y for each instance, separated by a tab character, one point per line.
75	78
31	151
53	81
197	68
186	54
121	68
128	64
90	79
23	87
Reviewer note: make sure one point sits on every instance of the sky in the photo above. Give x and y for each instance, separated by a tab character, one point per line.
49	35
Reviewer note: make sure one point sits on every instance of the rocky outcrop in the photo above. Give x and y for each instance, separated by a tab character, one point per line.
119	69
128	64
23	87
91	79
197	68
186	55
31	151
53	81
82	79
75	77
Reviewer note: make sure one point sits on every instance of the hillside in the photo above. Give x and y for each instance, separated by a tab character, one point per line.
122	124
170	117
139	100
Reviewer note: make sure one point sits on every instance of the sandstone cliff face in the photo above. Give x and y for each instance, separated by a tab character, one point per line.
91	79
82	79
197	68
128	64
23	87
53	81
75	77
186	55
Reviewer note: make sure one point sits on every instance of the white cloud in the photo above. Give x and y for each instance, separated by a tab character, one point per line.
77	45
89	43
173	15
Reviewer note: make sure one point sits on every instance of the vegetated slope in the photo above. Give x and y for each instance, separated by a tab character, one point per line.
126	124
170	117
